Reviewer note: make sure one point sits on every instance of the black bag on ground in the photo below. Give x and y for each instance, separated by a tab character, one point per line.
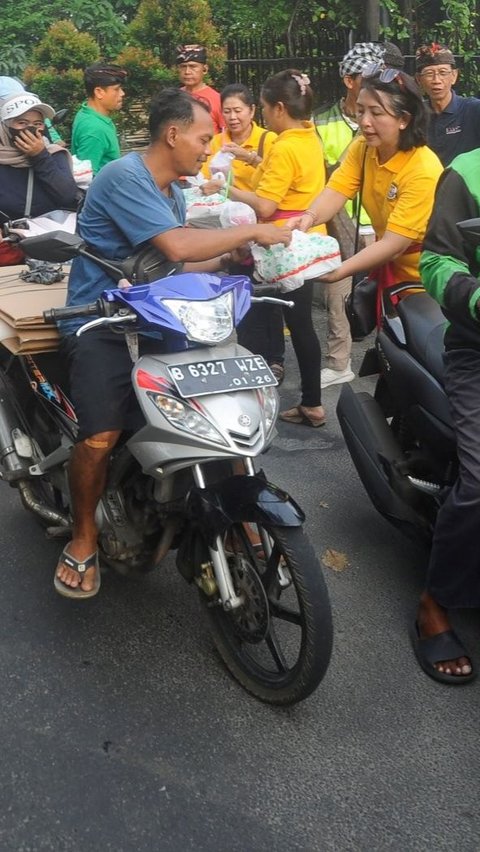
361	306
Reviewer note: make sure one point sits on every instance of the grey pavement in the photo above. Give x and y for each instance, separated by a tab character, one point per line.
121	730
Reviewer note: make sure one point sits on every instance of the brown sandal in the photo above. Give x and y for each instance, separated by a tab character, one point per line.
299	416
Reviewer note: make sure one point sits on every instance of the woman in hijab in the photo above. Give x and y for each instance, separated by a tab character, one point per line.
35	176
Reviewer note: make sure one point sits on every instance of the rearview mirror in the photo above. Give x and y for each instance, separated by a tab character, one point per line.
470	231
56	246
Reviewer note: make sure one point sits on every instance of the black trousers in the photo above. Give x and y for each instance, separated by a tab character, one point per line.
453	578
261	329
305	342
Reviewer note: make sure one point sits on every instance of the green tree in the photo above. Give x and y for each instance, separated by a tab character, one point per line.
164	26
56	74
146	75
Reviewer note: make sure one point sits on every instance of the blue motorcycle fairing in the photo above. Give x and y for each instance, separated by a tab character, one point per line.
147	300
239	499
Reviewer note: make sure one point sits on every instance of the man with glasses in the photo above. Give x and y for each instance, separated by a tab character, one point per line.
455	122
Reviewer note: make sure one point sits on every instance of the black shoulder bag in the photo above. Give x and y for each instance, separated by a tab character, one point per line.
361	302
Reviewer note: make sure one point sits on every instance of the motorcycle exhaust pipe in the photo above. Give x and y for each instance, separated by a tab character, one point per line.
13	442
38	508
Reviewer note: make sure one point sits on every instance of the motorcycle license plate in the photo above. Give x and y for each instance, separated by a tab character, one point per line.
199	378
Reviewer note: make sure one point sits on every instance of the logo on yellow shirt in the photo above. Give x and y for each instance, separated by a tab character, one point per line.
392	192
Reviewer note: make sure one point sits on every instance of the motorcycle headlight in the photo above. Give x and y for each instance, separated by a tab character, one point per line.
204	322
270	406
182	416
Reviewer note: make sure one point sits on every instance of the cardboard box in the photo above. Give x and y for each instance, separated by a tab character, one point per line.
22	329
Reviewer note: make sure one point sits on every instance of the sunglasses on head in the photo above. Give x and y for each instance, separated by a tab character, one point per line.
385	75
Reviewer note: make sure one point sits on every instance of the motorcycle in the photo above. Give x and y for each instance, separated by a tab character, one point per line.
186	479
401	438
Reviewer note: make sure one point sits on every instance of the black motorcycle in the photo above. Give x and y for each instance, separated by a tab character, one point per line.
401	439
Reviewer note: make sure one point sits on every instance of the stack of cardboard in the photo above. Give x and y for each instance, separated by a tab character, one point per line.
22	329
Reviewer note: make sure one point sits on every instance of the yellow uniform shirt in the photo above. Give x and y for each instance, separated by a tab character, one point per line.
397	195
293	172
242	172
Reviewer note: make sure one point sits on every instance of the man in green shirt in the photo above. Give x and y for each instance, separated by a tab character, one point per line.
94	136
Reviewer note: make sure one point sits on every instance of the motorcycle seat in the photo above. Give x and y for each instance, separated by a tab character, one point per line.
424	325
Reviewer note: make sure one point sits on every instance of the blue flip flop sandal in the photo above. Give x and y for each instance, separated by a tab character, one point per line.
80	568
435	649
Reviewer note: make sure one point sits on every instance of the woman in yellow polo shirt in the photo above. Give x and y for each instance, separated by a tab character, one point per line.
400	174
242	136
287	180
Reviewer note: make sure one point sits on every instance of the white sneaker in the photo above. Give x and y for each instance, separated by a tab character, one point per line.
336	377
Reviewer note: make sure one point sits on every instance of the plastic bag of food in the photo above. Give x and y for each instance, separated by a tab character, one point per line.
308	256
82	172
236	213
221	162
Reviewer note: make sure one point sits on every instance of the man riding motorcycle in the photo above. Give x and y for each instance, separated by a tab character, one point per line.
449	269
132	202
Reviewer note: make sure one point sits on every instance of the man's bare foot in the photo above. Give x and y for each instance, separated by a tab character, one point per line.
79	550
432	620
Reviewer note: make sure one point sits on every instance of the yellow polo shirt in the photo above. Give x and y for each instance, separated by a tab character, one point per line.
397	195
242	172
293	172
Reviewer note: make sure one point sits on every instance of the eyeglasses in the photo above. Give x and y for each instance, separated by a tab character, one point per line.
430	75
385	75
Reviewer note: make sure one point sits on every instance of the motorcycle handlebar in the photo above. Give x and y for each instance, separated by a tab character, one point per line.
54	314
266	290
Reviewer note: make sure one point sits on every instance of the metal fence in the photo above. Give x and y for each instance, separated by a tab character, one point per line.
251	61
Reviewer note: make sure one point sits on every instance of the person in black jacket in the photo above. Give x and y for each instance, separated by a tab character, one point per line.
35	176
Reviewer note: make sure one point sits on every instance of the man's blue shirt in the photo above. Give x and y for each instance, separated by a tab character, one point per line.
123	209
456	129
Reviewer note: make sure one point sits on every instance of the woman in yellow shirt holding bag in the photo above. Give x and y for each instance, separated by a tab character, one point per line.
261	330
286	182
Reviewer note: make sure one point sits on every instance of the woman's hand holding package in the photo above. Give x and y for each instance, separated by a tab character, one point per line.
237	150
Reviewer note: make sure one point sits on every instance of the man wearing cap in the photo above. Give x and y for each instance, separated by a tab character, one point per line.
336	127
192	67
35	176
455	123
94	136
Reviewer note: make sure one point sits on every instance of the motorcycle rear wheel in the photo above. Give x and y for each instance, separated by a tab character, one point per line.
277	645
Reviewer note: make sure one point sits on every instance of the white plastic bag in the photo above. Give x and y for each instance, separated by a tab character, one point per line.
236	213
308	256
82	172
203	208
221	162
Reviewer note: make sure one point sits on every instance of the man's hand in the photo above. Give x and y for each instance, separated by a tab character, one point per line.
270	235
30	144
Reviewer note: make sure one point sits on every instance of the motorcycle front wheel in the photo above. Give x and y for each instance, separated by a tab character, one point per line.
278	643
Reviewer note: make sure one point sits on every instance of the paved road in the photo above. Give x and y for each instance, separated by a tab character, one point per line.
121	731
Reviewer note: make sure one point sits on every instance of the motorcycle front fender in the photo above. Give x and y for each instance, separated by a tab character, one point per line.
239	499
